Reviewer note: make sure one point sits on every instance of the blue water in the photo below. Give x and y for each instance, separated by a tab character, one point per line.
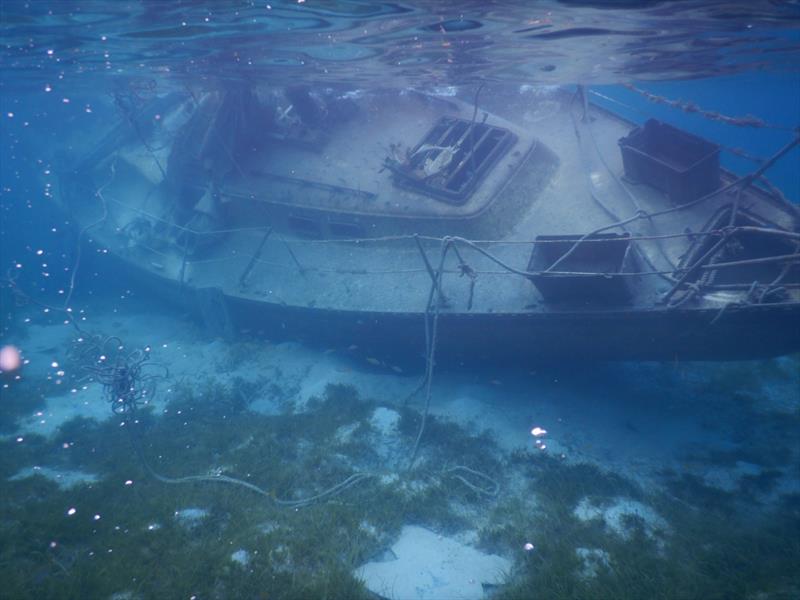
144	456
774	96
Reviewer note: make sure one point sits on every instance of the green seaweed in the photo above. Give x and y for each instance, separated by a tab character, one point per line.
138	546
703	555
717	546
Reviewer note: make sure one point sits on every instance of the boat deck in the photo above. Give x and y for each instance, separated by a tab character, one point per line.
583	191
348	172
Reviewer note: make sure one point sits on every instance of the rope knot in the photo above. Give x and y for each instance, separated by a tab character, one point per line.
465	269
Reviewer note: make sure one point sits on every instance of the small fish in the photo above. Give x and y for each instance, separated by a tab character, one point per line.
343	369
496	382
329	351
352	347
373	361
396	369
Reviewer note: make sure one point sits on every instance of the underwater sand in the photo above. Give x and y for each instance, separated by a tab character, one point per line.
627	448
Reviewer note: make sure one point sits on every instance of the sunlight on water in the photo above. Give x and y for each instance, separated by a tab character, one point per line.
379	44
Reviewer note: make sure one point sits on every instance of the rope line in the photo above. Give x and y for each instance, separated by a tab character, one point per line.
711	115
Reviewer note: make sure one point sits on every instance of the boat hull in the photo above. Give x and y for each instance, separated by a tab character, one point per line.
463	338
523	338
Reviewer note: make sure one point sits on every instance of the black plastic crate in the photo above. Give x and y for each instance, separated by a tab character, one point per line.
590	275
682	165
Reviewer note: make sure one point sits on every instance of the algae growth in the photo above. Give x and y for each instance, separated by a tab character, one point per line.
593	533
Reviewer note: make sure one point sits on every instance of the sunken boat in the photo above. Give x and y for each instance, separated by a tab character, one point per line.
402	222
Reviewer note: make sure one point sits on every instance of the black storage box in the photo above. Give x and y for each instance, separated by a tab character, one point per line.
606	254
682	165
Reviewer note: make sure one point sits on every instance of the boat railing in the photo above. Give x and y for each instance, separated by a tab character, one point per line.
481	247
680	277
682	287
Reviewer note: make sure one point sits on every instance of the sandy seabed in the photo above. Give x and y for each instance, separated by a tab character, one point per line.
636	421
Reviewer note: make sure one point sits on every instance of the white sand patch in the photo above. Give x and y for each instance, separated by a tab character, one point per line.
315	371
477	409
314	378
786	485
44	346
728	479
241	557
385	420
126	595
88	403
614	424
345	433
425	566
64	478
268	527
385	437
616	514
191	517
731	479
138	327
593	560
780	394
295	373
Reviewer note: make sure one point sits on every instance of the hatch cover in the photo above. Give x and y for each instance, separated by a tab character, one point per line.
452	158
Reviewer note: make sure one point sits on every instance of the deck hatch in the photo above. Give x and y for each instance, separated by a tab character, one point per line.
452	158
